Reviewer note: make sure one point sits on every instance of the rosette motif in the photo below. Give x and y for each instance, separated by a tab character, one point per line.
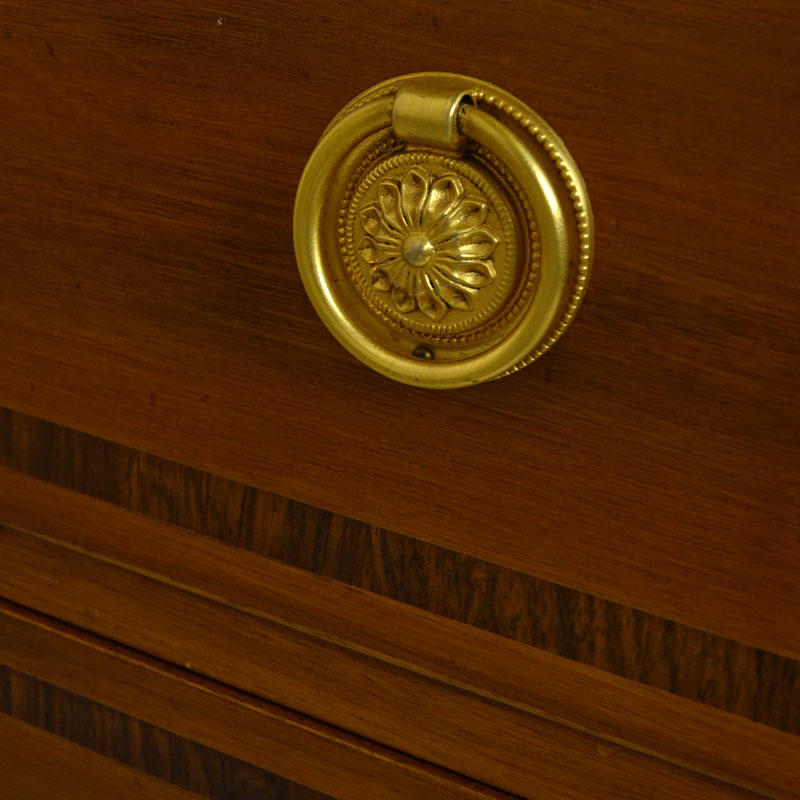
427	243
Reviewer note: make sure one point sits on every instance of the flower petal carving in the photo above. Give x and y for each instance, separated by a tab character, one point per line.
428	243
385	275
455	295
466	216
368	249
389	200
414	193
402	298
476	244
430	304
445	192
381	280
375	224
374	252
468	273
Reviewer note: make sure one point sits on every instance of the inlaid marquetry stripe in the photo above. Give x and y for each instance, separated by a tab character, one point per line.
129	741
693	664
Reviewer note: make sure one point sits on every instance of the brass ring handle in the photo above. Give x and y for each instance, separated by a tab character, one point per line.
442	231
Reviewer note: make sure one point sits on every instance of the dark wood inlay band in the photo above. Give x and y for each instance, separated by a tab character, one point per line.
699	666
137	744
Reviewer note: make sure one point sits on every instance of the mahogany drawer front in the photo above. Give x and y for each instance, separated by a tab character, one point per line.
573	582
96	714
459	665
150	292
38	766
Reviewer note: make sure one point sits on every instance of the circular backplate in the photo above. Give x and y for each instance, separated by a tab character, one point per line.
441	267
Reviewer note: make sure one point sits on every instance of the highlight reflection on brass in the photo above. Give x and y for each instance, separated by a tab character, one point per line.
442	231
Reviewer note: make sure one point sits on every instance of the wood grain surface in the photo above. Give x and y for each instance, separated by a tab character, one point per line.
202	719
149	750
696	665
39	766
504	745
148	291
618	711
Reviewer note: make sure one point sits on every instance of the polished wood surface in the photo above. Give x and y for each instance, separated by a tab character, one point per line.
149	292
480	734
212	715
208	718
578	582
113	754
698	666
618	711
35	765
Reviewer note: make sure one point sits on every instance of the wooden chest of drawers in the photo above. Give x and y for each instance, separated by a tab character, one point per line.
237	563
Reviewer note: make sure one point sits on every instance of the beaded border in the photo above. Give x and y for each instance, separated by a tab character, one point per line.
582	219
566	169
